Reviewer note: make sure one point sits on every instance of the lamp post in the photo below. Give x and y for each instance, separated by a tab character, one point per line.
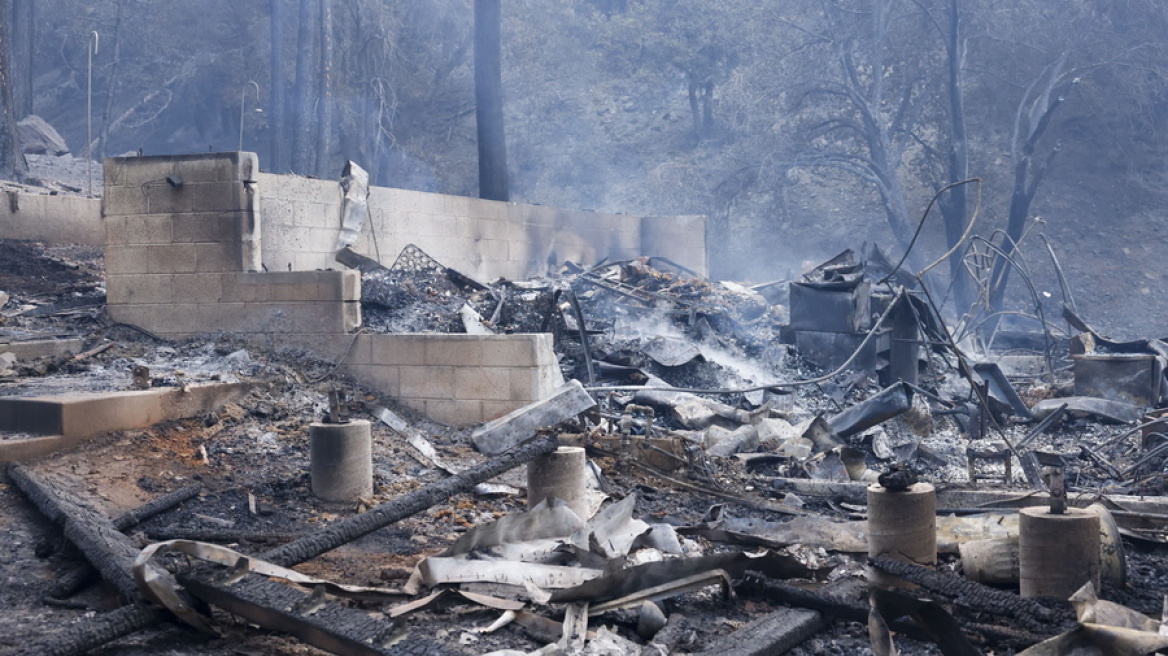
242	95
91	49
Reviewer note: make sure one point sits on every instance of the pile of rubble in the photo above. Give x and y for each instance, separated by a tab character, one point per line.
814	467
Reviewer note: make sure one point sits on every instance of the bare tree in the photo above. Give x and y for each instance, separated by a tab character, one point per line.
873	106
278	154
12	163
306	68
1032	119
24	47
489	100
324	91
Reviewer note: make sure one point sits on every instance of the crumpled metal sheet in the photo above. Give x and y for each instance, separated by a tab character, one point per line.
1105	629
1114	411
551	518
438	570
620	583
354	205
878	408
670	351
161	589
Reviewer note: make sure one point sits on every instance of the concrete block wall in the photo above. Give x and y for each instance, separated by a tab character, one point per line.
481	238
458	380
183	255
54	219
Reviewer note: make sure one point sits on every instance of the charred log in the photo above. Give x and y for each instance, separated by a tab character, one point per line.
974	596
350	529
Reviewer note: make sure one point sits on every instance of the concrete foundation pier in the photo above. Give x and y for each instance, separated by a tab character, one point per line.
1057	553
559	474
342	460
903	526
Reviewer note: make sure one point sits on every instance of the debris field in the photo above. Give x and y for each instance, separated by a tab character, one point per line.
817	466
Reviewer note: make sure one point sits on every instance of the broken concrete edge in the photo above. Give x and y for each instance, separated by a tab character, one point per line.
568	401
40	348
64	421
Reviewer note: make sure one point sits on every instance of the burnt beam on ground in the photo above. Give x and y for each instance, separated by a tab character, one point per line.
775	633
72	581
345	531
1025	612
83	636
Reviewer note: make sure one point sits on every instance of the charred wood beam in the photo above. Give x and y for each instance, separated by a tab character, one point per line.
217	535
345	531
104	546
77	578
756	584
310	617
135	516
1030	614
70	583
775	633
107	549
83	636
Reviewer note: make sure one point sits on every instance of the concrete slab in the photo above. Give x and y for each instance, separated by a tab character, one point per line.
64	420
40	348
505	432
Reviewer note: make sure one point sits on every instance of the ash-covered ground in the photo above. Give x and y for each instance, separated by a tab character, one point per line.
623	325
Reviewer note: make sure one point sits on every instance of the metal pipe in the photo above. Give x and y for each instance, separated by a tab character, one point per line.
242	94
91	50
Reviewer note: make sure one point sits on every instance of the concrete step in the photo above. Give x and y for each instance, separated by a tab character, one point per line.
40	425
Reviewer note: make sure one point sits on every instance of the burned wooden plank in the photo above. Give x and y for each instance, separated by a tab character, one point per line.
80	637
77	578
347	530
135	516
311	618
164	533
975	596
775	633
83	636
104	546
755	584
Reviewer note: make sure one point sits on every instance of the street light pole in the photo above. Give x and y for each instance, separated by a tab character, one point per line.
94	39
242	94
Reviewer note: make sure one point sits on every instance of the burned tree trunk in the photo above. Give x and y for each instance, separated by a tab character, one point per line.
23	46
489	100
1034	115
954	203
302	160
12	163
278	153
324	81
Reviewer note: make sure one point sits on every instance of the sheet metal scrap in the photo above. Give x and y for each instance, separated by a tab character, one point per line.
888	403
1104	627
833	297
622	583
1080	406
1135	378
